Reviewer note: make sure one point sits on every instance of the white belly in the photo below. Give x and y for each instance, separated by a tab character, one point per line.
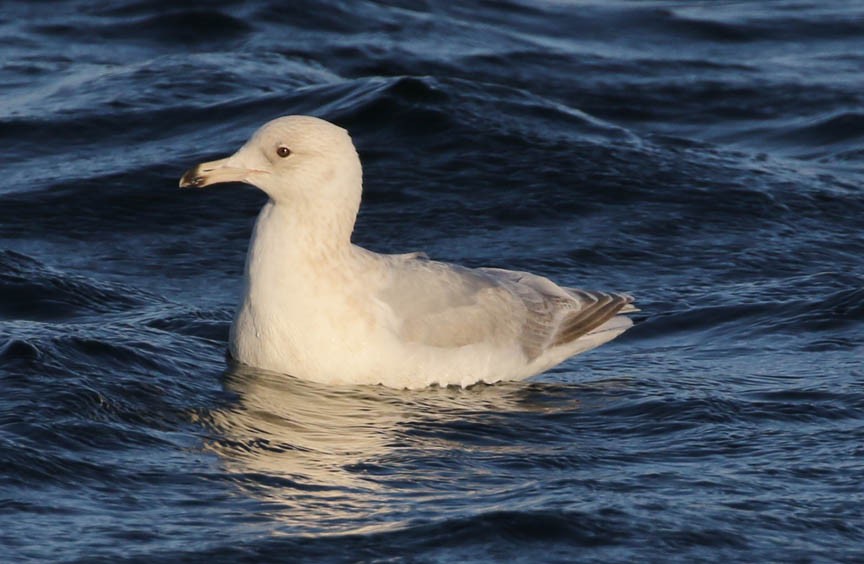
359	351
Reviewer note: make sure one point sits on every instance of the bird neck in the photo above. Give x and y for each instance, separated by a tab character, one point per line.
289	240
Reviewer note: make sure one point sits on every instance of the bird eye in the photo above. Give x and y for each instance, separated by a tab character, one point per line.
283	152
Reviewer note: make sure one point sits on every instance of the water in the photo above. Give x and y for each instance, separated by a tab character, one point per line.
706	157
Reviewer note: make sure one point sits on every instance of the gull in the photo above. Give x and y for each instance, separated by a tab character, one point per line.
317	307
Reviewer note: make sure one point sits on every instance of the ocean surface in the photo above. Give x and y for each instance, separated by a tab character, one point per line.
707	157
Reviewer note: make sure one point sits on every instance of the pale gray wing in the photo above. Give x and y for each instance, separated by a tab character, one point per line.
560	315
445	305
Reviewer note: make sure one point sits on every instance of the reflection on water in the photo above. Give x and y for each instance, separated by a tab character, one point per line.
322	457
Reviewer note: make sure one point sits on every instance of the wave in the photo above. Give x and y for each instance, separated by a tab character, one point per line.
30	290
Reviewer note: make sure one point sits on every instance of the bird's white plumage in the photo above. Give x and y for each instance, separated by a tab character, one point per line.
320	308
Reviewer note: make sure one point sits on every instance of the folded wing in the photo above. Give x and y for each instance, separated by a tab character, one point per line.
442	305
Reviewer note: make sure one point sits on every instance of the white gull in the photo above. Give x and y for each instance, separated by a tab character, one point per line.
320	308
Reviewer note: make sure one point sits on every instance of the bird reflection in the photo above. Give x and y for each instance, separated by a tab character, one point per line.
328	458
282	426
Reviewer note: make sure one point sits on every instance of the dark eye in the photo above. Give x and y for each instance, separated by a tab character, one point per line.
283	152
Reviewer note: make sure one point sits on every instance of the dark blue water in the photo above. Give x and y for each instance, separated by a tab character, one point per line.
706	157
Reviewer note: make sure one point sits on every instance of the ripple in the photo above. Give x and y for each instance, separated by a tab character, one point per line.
30	290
